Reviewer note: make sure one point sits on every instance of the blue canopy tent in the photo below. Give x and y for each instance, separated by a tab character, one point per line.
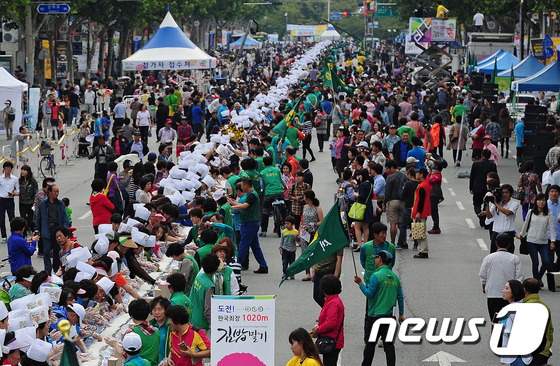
527	67
490	58
548	79
250	44
503	61
169	49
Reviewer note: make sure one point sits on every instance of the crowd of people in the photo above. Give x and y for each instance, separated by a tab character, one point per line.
202	203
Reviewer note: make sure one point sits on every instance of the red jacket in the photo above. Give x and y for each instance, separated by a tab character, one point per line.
425	208
330	319
101	209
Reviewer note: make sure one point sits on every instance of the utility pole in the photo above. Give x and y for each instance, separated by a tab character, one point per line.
29	46
329	11
522	31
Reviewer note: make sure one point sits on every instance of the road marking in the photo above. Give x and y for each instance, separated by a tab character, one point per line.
515	157
482	244
460	205
470	223
444	180
451	191
85	216
443	359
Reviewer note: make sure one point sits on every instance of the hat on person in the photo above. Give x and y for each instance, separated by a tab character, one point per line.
362	144
39	350
139	237
487	137
152	156
136	132
411	159
4	349
143	213
221	246
388	257
78	309
106	284
102	245
86	268
3	311
209	181
41	314
16	344
27	335
104	228
19	319
128	243
393	126
218	194
160	217
151	242
112	236
132	342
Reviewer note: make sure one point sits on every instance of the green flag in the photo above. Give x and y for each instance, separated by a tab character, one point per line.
282	127
339	85
329	238
69	357
495	72
326	75
511	91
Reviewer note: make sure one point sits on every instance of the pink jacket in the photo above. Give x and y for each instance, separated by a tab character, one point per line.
330	319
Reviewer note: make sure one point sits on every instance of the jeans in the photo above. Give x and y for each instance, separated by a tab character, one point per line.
73	112
318	294
331	358
6	205
250	239
388	347
287	259
51	245
534	251
268	209
434	202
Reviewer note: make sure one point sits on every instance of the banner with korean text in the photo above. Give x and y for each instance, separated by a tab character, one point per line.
243	330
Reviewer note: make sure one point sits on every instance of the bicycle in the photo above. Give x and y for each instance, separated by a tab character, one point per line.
278	207
47	163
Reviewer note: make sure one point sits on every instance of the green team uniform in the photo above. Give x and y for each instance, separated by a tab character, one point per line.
383	291
255	177
272	181
179	298
202	283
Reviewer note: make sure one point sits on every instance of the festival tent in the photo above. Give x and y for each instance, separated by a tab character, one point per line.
330	34
169	49
502	61
11	89
527	67
548	79
250	44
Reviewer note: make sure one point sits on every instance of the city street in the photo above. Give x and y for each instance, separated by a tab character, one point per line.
445	285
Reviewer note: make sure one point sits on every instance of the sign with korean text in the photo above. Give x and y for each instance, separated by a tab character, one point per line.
53	8
243	330
432	29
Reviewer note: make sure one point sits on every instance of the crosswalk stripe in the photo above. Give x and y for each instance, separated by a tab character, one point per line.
85	216
460	206
482	244
470	224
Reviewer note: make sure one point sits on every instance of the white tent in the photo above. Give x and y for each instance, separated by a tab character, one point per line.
330	34
169	49
250	44
11	89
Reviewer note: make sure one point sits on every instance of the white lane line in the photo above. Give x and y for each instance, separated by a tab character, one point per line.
451	191
482	244
444	180
470	224
460	206
515	157
85	216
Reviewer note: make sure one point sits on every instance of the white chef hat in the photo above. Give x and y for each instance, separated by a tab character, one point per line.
177	199
53	291
20	318
27	335
102	245
143	213
188	196
139	237
209	181
106	284
86	268
151	242
40	315
39	351
3	311
105	228
196	184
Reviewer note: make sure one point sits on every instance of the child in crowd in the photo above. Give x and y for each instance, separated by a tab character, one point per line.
288	243
132	345
332	148
68	209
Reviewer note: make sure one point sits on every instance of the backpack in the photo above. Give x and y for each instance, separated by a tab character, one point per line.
400	187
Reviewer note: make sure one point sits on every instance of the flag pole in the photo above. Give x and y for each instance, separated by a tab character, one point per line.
342	203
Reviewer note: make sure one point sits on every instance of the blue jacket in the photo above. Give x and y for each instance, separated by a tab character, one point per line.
42	218
20	251
198	114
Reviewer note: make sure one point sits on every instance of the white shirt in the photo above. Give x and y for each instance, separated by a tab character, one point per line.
478	19
138	147
89	96
503	223
167	134
498	268
8	185
143	118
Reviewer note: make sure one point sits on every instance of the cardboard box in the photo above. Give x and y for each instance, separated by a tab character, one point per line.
553	280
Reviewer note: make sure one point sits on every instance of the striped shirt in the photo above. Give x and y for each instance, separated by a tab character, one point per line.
307	127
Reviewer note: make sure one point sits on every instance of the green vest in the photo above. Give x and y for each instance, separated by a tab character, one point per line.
204	250
227	281
228	216
150	345
231	180
292	137
270	150
260	165
255	177
163	338
179	298
272	179
371	251
202	283
385	298
253	212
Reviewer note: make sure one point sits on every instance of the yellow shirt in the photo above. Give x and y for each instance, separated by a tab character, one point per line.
307	362
441	12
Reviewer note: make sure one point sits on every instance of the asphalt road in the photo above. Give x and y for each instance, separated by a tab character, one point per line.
445	285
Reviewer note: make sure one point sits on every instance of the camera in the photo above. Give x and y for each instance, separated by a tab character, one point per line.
495	189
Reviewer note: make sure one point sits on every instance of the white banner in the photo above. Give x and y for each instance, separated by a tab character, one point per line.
243	330
34	96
